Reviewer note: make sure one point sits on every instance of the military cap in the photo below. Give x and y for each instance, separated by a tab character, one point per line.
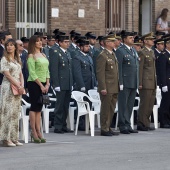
49	37
63	37
100	37
157	33
110	37
167	40
90	35
135	33
24	39
137	40
111	32
159	41
166	36
148	36
56	31
82	42
124	34
74	33
59	33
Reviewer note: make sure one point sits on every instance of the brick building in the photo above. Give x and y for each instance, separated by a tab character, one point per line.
24	17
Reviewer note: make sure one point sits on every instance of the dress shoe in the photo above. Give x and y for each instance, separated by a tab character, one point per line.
132	131
114	133
165	126
103	133
142	128
17	143
151	128
124	131
58	131
66	130
8	144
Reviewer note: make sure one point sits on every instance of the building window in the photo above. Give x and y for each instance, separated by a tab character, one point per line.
115	15
30	17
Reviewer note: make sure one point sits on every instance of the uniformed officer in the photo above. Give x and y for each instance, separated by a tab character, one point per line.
61	79
83	70
108	85
159	47
92	41
74	37
159	34
118	40
147	83
128	80
164	83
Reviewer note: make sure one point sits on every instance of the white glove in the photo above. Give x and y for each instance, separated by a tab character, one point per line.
95	88
83	89
165	89
121	87
57	89
72	88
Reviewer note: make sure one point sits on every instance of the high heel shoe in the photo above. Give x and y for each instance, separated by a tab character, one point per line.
35	140
42	140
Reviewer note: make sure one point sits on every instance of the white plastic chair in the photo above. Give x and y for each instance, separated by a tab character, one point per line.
117	116
97	104
45	113
84	109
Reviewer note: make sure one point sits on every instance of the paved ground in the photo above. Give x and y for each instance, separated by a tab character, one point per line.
142	151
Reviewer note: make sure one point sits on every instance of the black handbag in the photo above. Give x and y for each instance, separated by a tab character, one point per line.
44	99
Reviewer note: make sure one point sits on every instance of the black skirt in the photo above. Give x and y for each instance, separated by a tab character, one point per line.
34	94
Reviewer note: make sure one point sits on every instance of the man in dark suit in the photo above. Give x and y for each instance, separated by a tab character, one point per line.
147	83
5	35
62	81
163	63
92	41
108	84
128	80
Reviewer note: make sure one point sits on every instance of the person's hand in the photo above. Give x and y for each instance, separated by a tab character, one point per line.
140	87
104	92
43	89
95	88
165	89
83	89
47	87
121	87
57	89
21	90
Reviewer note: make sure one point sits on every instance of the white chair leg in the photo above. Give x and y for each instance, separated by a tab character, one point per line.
87	123
46	120
155	116
117	117
91	118
77	124
132	120
26	128
71	117
98	120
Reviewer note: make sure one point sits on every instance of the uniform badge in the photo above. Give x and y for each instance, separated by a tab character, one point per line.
111	67
128	63
169	58
63	64
55	51
59	54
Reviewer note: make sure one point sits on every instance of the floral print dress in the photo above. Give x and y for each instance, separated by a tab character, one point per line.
10	105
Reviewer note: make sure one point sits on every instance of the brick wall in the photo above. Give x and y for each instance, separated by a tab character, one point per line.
128	17
94	19
10	16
